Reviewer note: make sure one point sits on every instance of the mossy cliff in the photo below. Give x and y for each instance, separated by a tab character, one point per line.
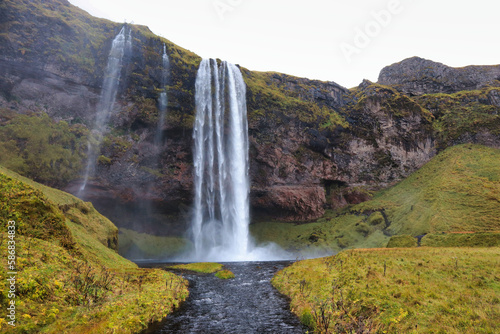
313	144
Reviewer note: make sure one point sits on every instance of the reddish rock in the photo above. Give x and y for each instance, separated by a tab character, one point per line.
290	203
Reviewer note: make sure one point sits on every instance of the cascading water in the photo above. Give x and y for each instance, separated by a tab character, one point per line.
221	204
121	43
163	101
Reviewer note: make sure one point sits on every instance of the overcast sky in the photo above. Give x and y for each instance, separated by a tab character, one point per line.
335	40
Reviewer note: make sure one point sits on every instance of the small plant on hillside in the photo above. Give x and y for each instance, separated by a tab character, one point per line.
92	287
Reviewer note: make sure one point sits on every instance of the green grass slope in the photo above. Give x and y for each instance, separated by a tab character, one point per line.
68	279
95	234
414	290
457	191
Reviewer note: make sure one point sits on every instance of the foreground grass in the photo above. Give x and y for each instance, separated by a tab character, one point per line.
417	290
89	228
60	293
68	280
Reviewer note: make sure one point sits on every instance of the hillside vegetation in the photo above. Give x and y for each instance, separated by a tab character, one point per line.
41	149
417	290
457	191
69	280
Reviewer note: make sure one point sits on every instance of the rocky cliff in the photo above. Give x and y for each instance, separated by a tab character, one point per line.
417	76
313	145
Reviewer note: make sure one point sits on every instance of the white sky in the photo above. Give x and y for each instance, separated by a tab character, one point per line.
305	38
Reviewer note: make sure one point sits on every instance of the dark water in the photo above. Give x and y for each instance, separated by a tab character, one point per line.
246	304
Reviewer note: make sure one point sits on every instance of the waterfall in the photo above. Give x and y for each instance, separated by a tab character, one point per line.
112	74
163	101
221	182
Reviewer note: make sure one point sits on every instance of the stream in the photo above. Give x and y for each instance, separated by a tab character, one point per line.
246	304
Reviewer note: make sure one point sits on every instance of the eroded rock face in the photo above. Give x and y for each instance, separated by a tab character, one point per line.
417	76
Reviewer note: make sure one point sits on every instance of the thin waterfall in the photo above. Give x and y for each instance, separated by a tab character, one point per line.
221	182
112	74
163	101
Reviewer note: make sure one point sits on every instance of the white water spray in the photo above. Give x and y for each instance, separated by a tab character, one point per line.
121	43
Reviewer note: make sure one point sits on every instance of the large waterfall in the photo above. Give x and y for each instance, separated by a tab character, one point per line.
221	181
120	45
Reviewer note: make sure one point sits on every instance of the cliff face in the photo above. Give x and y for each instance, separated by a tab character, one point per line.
300	167
313	144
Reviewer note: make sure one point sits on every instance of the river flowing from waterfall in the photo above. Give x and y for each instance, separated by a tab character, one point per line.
246	304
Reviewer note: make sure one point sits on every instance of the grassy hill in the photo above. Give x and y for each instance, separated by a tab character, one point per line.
457	191
417	290
70	279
